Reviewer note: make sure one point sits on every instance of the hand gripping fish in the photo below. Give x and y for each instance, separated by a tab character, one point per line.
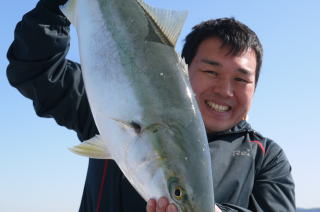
141	100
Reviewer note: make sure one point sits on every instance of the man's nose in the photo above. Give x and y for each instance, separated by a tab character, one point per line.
224	88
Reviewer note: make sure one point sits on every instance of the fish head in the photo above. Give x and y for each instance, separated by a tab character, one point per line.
188	196
183	167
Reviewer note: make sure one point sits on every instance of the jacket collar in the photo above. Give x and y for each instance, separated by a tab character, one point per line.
242	126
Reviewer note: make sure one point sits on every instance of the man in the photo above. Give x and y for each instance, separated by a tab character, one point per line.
224	58
251	172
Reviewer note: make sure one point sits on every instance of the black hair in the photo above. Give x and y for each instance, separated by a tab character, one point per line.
233	34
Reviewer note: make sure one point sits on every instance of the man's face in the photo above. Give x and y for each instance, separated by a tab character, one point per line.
223	84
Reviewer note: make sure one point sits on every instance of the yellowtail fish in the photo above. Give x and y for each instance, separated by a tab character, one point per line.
141	99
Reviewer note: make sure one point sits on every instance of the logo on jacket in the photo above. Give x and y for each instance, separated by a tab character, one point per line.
246	152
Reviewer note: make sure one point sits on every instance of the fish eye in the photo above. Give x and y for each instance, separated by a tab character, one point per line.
178	193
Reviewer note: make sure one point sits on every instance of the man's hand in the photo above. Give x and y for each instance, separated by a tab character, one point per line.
53	5
163	206
55	2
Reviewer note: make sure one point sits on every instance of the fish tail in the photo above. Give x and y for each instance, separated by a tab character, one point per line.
69	10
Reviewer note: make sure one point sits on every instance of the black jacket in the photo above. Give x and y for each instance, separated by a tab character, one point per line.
251	172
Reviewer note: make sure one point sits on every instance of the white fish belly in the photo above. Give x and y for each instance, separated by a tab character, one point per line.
111	97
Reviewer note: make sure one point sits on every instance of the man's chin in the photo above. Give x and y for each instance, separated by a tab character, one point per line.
215	123
214	128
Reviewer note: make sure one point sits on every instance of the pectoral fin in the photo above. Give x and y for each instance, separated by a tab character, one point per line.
93	148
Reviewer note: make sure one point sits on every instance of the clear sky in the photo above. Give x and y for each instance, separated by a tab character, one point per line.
38	173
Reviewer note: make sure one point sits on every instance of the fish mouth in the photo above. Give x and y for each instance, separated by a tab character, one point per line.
217	107
183	207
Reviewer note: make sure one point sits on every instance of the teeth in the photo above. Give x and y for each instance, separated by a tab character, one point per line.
216	107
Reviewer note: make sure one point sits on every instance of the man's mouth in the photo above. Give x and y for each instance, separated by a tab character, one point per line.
217	107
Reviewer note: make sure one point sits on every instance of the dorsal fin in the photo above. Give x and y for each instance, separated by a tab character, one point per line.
169	22
182	65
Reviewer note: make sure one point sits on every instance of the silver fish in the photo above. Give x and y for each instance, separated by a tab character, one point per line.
141	99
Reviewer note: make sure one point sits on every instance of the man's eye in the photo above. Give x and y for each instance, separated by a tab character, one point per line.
242	80
210	72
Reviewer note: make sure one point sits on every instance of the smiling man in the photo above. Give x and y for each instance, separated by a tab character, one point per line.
250	171
224	84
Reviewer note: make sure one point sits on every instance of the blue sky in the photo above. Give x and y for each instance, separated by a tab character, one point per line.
38	173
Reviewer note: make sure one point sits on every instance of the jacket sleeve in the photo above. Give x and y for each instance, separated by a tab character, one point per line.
39	70
273	188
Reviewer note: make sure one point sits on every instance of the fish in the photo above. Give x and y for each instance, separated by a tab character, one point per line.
141	99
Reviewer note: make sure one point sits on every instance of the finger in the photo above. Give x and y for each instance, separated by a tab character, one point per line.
217	209
162	204
151	205
172	208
